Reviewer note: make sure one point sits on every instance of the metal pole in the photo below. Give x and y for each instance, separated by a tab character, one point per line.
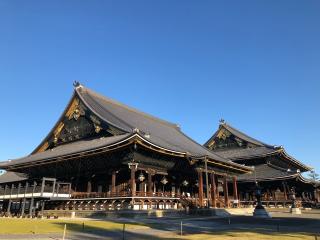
123	231
64	231
181	228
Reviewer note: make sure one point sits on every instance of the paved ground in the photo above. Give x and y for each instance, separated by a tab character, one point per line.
167	228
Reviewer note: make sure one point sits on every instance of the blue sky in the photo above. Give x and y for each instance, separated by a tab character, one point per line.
254	63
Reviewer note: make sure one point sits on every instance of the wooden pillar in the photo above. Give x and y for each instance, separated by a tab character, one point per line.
5	189
200	185
19	186
113	182
225	192
32	199
42	207
10	201
213	191
207	182
9	207
89	186
133	167
285	191
217	187
235	191
133	181
150	184
24	199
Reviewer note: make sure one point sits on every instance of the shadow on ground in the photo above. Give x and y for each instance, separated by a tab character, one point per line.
169	228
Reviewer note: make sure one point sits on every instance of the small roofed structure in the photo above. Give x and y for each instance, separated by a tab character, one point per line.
9	177
119	158
274	169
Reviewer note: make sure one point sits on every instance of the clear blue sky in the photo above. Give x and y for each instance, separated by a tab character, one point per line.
254	63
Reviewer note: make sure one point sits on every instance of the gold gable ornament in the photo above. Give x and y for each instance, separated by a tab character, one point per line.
97	128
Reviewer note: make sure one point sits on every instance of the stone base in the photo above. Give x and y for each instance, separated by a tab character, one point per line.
261	213
295	211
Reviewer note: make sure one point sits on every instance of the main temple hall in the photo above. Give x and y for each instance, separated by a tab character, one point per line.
102	155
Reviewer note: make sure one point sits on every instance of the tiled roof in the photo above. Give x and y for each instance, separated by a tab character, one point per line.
267	172
67	149
12	177
245	153
159	132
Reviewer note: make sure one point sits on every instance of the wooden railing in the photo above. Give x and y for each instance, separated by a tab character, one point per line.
80	195
32	189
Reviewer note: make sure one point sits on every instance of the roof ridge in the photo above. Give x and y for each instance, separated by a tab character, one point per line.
96	113
307	168
254	140
214	153
115	102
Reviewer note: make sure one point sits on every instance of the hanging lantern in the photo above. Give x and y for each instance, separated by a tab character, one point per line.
185	183
141	177
197	184
164	181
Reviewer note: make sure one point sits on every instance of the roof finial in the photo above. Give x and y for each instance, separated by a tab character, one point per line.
76	83
222	121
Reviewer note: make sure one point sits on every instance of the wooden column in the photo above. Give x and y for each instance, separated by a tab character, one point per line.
200	185
150	184
213	191
235	190
9	207
285	191
113	182
217	187
42	207
225	192
32	199
133	167
89	186
10	201
24	199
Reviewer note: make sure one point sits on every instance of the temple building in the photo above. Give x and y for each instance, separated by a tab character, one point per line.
103	155
275	171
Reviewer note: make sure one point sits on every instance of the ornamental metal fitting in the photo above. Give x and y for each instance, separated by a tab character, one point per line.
133	165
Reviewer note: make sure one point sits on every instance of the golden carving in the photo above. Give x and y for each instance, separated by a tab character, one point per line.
43	147
58	129
97	128
76	114
192	161
74	104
